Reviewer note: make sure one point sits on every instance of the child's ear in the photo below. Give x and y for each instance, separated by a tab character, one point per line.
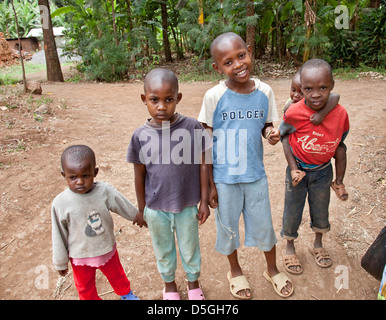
62	173
143	97
249	49
332	84
179	97
96	172
215	67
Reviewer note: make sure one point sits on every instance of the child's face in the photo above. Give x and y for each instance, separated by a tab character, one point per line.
316	84
296	93
161	99
233	59
80	175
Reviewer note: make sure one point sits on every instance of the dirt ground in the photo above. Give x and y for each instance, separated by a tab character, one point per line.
104	116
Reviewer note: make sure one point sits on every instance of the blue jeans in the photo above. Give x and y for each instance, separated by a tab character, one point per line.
316	184
162	226
251	199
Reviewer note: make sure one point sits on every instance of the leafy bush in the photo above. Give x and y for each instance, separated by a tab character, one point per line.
371	37
104	54
344	49
106	61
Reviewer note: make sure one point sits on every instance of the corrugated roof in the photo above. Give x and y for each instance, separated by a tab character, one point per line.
38	32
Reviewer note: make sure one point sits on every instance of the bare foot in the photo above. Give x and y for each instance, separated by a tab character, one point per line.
247	293
290	259
292	263
287	290
170	287
340	190
321	256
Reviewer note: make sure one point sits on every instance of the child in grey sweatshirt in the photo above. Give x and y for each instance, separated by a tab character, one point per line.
83	228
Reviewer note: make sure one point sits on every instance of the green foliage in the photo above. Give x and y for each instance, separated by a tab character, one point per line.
220	17
109	54
28	15
104	55
365	45
124	38
344	49
13	74
371	37
105	60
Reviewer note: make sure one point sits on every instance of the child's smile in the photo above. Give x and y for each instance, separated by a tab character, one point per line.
233	59
242	73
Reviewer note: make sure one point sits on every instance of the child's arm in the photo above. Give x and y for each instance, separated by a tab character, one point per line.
287	105
213	197
59	242
288	154
270	133
203	210
296	174
139	181
332	101
119	204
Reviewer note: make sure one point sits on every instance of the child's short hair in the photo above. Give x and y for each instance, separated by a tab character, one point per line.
316	64
221	37
162	74
77	153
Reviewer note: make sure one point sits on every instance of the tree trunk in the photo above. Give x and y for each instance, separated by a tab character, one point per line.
375	4
165	37
180	53
114	25
54	71
21	55
310	20
251	30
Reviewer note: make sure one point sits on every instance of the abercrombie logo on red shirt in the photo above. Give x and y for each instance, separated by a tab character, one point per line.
311	146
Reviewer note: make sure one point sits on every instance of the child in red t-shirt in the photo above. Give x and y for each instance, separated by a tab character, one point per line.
297	175
309	147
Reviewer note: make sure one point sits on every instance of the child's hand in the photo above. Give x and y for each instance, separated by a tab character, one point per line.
139	220
62	273
213	198
316	118
203	213
273	136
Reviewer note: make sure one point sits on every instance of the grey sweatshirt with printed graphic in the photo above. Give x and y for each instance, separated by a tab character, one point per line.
82	225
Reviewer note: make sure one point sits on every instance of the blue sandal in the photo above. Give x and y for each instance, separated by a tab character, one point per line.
130	296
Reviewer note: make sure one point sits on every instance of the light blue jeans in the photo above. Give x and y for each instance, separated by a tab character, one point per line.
163	227
251	199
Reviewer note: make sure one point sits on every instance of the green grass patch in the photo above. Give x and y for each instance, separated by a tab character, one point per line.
355	73
13	74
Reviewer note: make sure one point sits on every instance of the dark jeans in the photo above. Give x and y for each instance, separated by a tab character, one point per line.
316	184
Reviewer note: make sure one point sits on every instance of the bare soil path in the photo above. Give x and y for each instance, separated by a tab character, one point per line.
104	116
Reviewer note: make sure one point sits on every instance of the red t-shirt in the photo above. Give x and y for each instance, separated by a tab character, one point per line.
315	144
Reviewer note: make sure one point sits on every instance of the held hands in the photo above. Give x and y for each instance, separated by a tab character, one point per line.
272	135
213	197
203	213
62	273
139	220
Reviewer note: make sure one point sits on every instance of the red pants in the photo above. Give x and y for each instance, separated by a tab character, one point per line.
84	278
